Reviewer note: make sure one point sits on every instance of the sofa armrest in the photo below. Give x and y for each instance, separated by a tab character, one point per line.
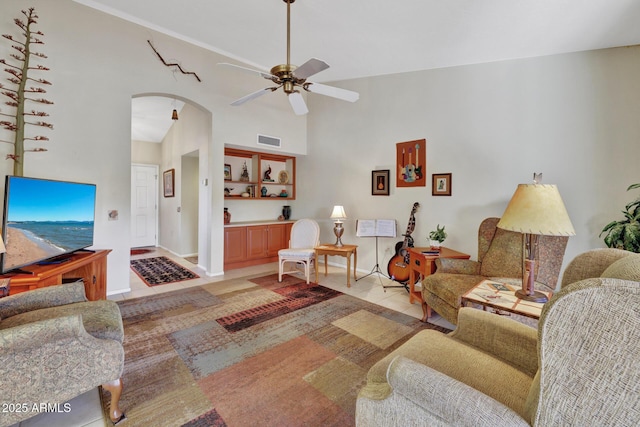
457	266
511	341
448	400
51	296
591	264
52	361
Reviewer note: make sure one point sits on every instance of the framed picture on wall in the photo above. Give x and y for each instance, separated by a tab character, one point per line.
168	182
227	172
411	163
380	182
441	184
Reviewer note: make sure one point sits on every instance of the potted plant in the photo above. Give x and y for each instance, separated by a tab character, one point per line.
437	236
625	234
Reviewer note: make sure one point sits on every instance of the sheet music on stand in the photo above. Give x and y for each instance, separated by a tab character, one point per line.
375	228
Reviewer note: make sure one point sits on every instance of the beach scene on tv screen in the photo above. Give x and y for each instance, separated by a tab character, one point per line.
46	219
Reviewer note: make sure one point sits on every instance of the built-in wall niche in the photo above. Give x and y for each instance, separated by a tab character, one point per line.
257	175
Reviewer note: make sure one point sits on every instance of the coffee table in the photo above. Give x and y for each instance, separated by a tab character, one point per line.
344	250
501	296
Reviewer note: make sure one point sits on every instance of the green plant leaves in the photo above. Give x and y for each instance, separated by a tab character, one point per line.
625	234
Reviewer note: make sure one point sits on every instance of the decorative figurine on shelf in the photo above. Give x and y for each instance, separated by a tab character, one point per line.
267	175
284	193
244	176
227	216
263	191
227	191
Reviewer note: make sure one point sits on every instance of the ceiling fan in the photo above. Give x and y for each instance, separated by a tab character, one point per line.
291	78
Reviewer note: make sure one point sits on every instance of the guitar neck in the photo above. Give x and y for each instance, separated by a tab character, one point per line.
410	226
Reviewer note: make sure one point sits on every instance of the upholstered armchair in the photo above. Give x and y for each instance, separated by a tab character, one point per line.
305	236
55	345
578	368
500	256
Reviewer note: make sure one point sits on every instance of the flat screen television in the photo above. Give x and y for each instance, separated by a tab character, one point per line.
45	220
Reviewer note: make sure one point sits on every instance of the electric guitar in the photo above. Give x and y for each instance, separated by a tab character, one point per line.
398	267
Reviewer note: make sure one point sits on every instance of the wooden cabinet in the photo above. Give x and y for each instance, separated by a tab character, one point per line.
235	248
254	244
257	241
281	171
91	267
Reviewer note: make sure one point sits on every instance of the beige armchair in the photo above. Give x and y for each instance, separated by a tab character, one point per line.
500	256
55	345
578	368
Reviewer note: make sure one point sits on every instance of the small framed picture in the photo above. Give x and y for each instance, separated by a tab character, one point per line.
380	182
169	181
227	172
441	184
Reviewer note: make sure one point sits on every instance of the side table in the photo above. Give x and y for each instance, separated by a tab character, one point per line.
344	250
423	262
501	296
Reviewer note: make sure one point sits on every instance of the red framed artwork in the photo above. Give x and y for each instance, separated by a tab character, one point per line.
411	163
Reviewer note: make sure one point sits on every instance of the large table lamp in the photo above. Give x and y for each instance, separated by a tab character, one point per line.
535	210
338	215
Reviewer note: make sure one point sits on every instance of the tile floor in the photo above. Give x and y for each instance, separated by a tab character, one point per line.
86	410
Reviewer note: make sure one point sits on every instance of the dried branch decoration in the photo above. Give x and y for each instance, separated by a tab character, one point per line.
19	96
172	64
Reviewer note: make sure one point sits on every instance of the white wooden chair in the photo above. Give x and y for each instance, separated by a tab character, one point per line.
305	236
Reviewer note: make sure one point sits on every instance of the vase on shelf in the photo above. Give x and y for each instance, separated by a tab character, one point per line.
227	216
286	212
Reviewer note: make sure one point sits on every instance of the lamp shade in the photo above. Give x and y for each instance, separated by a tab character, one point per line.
537	209
338	213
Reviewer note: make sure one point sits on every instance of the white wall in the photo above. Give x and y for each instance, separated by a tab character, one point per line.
98	63
146	152
572	117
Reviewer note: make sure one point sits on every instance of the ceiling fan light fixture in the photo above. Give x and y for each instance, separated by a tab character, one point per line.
293	79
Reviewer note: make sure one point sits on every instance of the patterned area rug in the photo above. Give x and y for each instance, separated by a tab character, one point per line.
160	270
295	355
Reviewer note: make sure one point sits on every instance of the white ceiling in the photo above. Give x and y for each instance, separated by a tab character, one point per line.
151	117
361	38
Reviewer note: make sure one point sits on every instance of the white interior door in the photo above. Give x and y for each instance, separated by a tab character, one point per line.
144	205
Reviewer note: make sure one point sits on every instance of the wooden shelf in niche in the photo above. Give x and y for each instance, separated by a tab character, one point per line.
283	174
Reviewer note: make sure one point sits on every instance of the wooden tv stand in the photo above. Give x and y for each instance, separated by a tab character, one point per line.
89	266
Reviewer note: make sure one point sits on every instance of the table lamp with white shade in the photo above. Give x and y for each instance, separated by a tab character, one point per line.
534	210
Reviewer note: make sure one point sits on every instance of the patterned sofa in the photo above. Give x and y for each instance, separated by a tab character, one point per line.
578	368
55	345
500	256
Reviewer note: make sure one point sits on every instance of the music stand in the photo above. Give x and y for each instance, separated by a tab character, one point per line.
376	268
376	228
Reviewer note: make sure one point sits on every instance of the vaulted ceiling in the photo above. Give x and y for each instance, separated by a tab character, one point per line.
372	37
360	38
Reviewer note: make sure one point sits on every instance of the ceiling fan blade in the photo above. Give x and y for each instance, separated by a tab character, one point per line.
297	103
335	92
253	95
309	68
249	70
